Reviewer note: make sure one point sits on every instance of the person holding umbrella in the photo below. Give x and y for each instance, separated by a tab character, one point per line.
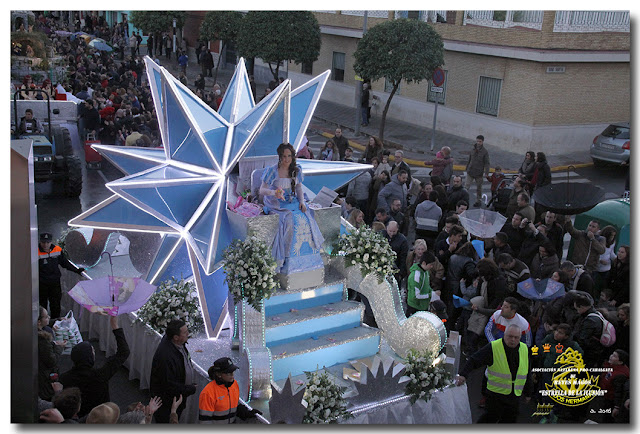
94	382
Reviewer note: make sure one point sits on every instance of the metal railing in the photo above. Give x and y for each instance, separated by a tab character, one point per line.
592	21
504	19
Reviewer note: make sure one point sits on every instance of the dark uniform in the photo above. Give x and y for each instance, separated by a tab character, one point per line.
49	274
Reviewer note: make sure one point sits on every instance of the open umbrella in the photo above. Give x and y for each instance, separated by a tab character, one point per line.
112	295
100	44
460	302
568	198
542	290
481	222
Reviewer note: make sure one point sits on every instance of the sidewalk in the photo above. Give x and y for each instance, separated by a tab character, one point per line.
414	140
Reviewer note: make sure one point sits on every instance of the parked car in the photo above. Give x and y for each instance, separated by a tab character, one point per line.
613	145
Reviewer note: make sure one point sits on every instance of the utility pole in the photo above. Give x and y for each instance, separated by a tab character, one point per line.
359	84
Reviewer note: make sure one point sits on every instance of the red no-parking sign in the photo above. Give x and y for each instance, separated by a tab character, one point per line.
438	77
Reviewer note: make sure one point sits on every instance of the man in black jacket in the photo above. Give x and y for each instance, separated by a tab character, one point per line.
94	382
172	373
587	331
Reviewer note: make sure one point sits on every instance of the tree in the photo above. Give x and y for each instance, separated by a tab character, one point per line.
277	36
222	26
398	50
156	22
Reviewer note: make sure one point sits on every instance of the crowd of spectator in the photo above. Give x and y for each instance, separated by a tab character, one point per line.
421	223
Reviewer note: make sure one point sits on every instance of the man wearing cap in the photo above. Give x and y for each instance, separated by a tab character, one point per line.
219	400
50	257
172	373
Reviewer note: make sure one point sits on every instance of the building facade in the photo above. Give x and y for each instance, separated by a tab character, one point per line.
528	80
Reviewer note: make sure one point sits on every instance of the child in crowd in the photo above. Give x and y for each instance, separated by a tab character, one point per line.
495	178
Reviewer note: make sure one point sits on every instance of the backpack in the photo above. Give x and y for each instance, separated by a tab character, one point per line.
608	336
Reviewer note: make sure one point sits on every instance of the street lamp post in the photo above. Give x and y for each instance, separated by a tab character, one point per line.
359	85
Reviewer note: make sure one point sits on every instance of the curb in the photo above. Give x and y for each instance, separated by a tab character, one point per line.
457	167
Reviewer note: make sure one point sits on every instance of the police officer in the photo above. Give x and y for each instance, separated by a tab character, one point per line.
50	256
219	400
507	361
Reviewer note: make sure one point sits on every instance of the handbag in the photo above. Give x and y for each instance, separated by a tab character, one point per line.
67	329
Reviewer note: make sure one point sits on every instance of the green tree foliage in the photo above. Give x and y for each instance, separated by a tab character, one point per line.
223	26
157	21
277	36
398	50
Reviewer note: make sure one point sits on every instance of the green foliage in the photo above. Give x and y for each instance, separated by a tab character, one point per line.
221	25
157	21
277	36
399	50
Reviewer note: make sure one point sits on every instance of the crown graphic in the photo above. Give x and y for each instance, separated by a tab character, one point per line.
559	348
534	350
546	348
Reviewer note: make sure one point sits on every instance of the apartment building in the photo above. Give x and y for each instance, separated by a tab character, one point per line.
527	80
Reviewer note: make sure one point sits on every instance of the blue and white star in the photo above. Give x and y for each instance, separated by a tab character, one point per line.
181	191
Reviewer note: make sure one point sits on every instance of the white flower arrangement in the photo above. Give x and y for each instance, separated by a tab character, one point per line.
174	299
324	399
424	377
368	249
251	271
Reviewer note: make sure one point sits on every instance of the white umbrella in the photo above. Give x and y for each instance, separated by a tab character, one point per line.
481	222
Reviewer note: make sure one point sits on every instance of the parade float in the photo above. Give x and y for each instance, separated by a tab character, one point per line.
184	209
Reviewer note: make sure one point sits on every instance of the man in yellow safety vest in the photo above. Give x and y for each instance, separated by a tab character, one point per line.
507	361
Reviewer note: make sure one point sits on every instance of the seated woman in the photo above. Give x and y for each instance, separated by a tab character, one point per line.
282	191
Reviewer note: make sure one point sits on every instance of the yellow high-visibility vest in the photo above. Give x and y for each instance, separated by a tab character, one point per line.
499	378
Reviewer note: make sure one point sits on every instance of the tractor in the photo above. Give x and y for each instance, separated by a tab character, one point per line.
53	157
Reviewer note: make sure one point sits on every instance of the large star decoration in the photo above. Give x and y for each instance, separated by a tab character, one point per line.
181	191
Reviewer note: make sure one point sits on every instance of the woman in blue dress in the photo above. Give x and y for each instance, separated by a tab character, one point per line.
282	192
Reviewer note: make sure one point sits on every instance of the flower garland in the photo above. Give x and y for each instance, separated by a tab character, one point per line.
174	299
325	403
369	249
424	377
251	271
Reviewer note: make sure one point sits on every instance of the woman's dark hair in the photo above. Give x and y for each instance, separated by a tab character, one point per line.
623	356
532	155
606	232
435	180
548	246
626	249
387	174
467	250
377	142
293	168
541	157
487	268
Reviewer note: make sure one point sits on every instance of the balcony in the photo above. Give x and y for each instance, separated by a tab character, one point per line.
428	16
591	21
504	19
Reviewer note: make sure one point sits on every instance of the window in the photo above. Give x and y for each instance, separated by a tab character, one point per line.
431	96
337	67
307	67
488	96
388	86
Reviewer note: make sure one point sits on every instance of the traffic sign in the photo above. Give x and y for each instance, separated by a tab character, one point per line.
438	77
435	89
